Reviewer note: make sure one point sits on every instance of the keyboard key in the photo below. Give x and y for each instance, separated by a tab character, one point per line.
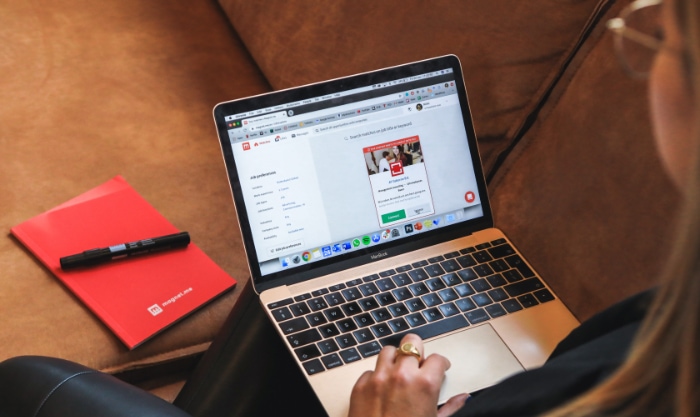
345	341
512	275
346	325
434	270
402	294
482	299
329	330
419	264
327	346
294	325
466	261
482	256
302	297
483	245
522	287
498	294
464	290
448	295
334	314
364	320
320	292
432	314
415	320
483	270
337	287
369	349
465	304
512	305
332	361
431	300
497	242
418	289
317	304
499	265
385	284
398	325
370	278
450	266
451	255
334	298
404	268
299	309
368	304
313	367
386	299
480	285
435	284
354	282
544	295
451	279
496	310
387	273
415	304
307	352
402	279
501	251
448	309
281	314
368	289
496	280
467	274
350	355
477	316
398	310
381	330
363	335
304	338
381	314
316	319
436	259
516	261
281	303
528	300
429	331
351	294
418	275
350	309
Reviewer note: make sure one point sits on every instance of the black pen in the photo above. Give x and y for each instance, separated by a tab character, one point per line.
140	247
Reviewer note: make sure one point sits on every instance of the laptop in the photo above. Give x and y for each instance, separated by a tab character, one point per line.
364	214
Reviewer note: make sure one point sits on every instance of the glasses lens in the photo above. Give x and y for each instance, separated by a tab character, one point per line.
641	38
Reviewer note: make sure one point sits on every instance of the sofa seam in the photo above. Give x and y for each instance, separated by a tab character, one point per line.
59	385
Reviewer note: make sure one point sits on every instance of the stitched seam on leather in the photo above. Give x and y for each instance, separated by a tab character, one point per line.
60	384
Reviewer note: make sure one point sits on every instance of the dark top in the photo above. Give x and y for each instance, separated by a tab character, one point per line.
582	360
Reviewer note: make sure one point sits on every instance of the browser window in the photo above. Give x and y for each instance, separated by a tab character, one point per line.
330	175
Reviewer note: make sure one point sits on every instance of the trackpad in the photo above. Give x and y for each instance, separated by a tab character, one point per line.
479	359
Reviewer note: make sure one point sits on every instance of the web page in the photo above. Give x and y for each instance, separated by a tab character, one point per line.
324	183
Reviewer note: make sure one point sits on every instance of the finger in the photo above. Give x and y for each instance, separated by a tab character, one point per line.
452	405
436	363
385	359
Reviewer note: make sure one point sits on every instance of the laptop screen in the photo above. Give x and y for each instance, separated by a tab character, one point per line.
352	169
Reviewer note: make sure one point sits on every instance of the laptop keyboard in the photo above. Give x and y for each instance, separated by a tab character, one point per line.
347	322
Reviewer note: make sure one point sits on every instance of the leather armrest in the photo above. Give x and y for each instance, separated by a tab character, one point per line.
36	386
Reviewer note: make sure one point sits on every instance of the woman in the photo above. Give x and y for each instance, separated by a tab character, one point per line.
660	373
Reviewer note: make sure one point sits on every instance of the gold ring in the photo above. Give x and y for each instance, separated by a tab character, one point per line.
409	349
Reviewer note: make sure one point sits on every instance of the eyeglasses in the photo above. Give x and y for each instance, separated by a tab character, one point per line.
638	36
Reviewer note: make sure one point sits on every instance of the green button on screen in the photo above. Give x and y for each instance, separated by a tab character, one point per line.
393	216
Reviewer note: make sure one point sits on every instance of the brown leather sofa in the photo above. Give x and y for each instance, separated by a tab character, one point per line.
90	90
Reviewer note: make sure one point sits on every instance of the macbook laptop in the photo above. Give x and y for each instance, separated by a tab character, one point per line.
364	214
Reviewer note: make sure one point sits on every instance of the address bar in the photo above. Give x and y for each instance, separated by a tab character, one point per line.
350	123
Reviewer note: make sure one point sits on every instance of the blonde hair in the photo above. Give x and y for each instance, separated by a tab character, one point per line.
662	373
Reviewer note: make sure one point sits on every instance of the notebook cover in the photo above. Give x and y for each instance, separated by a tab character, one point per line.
136	297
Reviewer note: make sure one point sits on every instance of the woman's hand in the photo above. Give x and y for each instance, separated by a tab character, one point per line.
403	385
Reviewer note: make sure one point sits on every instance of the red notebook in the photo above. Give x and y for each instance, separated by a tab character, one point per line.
136	297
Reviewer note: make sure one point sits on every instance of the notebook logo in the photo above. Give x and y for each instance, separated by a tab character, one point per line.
155	310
